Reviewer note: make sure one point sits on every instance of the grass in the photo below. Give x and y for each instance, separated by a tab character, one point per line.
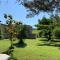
32	51
35	31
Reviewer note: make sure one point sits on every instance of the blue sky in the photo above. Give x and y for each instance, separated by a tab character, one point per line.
18	12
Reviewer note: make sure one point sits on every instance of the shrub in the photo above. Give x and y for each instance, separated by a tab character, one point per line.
40	33
56	32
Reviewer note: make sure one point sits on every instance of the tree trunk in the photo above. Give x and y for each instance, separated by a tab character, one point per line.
21	41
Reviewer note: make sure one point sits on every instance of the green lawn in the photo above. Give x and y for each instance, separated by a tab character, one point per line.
32	51
35	31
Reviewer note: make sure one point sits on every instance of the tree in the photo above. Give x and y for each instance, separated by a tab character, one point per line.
13	27
46	25
56	24
10	27
56	32
18	28
10	30
22	35
36	6
56	20
19	31
43	23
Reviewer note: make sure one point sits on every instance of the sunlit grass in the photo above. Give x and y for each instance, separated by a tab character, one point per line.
32	51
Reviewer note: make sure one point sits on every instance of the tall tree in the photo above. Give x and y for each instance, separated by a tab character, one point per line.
22	35
45	24
10	27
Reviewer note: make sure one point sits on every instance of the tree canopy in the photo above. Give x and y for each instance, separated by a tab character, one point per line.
45	21
36	6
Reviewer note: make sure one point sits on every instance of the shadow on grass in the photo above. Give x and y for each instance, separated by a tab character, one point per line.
8	51
56	45
49	44
21	45
44	39
53	42
56	40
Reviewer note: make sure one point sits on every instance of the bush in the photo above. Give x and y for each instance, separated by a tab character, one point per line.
56	32
41	33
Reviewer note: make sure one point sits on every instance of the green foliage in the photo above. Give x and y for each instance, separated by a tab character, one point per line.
18	27
45	21
46	25
35	31
22	34
13	27
56	32
10	29
36	6
9	22
41	33
5	16
56	20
